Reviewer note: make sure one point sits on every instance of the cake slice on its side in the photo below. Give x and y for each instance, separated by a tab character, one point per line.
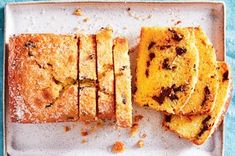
199	128
106	107
203	98
42	78
122	83
167	68
87	78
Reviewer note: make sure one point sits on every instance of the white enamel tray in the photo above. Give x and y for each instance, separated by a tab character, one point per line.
56	17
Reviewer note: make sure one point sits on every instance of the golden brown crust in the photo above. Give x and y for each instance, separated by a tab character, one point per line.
87	78
42	74
106	107
122	83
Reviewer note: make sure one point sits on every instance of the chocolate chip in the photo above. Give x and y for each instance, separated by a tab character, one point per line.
147	73
49	105
165	47
30	44
128	9
206	95
146	105
123	68
168	118
151	56
176	36
225	76
169	92
70	117
148	63
123	100
205	126
91	56
165	64
180	50
151	45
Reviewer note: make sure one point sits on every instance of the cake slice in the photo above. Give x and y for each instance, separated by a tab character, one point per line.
199	128
87	78
42	71
203	98
167	68
122	83
106	107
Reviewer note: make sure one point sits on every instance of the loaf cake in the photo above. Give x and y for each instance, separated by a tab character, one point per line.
203	98
42	73
167	68
87	77
106	107
122	83
199	128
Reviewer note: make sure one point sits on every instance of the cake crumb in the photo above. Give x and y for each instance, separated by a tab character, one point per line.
77	12
118	147
178	22
66	128
140	143
86	19
134	129
84	141
144	135
137	118
84	133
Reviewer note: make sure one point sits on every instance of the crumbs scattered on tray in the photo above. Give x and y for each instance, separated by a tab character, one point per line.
84	133
140	143
83	141
77	12
66	128
118	147
178	22
86	20
138	17
137	118
134	129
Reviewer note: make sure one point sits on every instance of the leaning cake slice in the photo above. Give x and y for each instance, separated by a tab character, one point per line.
87	78
122	82
203	98
199	128
42	78
167	68
106	107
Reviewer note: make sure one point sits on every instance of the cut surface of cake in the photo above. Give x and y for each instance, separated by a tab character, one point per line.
42	71
122	83
167	68
87	77
106	107
203	98
199	128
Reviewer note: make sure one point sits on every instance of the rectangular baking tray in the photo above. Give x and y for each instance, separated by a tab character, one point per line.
56	17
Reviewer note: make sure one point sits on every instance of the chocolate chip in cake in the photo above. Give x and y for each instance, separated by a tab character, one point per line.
147	73
30	44
206	95
176	36
49	105
151	56
91	56
180	50
225	76
168	118
165	47
151	45
204	126
148	63
146	105
165	64
123	100
123	68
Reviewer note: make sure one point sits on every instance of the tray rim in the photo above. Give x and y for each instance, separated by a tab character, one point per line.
168	2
